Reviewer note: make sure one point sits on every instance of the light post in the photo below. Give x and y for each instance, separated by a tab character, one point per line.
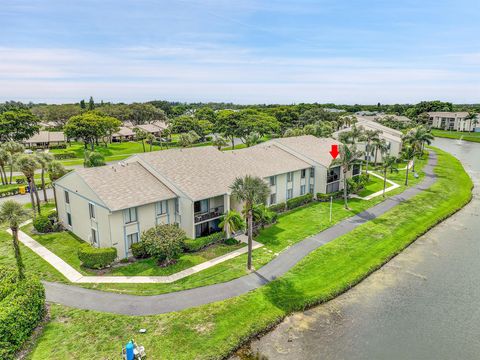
331	202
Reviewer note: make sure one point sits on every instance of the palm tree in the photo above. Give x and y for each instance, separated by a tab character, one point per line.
418	137
13	214
370	136
408	153
252	139
219	142
356	133
380	145
347	158
251	191
141	135
55	171
93	159
5	159
150	139
389	163
472	116
27	165
43	160
231	222
14	149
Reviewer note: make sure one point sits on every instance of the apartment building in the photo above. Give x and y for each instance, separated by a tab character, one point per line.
453	121
110	206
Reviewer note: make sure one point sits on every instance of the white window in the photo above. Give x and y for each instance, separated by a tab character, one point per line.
132	239
273	180
289	193
302	189
162	207
67	197
94	237
290	177
304	173
91	210
130	215
273	199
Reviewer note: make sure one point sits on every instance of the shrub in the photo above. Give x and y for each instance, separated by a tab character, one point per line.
299	201
326	197
139	251
94	258
22	307
164	242
231	241
192	245
357	183
43	224
278	207
65	155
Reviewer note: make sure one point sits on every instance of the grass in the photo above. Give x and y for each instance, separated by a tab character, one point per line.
213	331
467	136
38	182
374	184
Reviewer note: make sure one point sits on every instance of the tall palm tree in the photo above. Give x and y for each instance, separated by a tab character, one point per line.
5	159
13	214
55	171
370	136
379	145
27	165
231	222
43	160
408	153
418	137
389	163
346	159
140	135
250	190
150	139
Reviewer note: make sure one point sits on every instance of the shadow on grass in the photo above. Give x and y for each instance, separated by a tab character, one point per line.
285	295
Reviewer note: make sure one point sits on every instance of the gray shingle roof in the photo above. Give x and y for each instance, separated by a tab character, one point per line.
47	136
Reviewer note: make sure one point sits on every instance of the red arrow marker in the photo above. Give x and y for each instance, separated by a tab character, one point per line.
334	151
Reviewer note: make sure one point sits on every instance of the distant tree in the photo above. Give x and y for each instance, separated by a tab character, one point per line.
13	214
5	160
251	191
255	121
293	132
93	159
252	139
228	122
91	104
14	149
206	113
55	171
473	117
219	142
315	115
43	159
17	125
141	135
146	113
83	106
58	114
150	139
287	116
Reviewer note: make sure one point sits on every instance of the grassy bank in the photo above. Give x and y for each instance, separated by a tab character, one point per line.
467	136
213	331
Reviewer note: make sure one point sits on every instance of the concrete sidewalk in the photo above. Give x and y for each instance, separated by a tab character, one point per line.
81	298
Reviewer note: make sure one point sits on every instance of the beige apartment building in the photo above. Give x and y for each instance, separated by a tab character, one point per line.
456	121
110	206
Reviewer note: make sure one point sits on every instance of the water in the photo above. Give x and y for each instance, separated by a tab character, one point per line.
424	304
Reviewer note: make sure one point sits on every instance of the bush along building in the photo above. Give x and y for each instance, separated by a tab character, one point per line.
110	206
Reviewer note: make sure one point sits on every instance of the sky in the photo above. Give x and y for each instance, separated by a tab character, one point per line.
246	51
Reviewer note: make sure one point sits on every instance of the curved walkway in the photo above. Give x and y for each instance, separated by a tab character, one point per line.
148	305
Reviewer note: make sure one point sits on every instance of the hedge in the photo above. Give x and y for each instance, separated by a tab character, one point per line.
97	258
65	155
22	308
299	201
326	197
15	191
192	245
278	207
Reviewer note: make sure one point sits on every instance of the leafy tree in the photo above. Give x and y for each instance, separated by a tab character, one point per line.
228	124
231	222
346	159
408	153
17	125
93	159
252	139
83	106
164	243
55	171
370	136
255	121
27	165
287	116
219	142
90	127
315	115
14	149
145	113
206	113
91	104
389	163
188	139
293	132
13	214
58	114
251	191
43	159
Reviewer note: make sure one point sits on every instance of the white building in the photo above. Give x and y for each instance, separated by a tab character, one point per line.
453	121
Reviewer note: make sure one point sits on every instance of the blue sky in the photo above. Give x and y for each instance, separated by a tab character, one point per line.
240	51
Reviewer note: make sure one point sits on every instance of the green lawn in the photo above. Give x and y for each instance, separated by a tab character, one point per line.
374	184
467	136
213	331
38	182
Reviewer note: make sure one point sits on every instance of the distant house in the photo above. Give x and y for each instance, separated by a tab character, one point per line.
124	134
127	131
392	137
455	121
46	139
396	118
